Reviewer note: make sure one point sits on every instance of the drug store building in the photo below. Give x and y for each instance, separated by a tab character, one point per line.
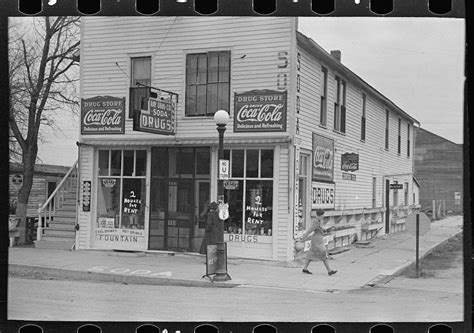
304	133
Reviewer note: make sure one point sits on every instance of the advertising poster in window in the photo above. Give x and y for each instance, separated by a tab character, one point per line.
159	118
260	111
103	115
323	158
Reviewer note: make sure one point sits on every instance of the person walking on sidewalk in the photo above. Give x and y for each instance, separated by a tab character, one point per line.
212	220
318	250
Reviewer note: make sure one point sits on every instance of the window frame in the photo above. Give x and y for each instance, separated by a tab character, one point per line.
323	97
194	106
399	136
387	124
340	105
363	119
408	139
132	59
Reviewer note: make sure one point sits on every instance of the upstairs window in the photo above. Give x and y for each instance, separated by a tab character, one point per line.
399	136
324	91
386	128
207	83
141	72
340	106
408	140
362	120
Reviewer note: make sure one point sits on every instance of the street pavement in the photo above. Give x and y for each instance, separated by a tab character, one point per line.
361	265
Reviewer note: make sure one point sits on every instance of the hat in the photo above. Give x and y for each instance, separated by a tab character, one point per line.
213	205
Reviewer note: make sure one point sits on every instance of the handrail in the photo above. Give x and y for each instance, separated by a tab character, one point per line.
58	187
48	202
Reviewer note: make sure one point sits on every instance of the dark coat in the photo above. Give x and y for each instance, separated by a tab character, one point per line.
211	232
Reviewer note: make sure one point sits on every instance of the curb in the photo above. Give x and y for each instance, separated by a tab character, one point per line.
39	272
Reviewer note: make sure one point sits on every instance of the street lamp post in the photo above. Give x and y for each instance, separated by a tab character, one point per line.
221	118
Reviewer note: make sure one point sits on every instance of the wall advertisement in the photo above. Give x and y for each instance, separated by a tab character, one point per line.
323	195
159	118
103	115
260	111
323	158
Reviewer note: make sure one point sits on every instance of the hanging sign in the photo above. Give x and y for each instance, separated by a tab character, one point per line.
103	115
223	211
260	111
86	196
396	186
159	118
350	162
224	169
231	184
323	158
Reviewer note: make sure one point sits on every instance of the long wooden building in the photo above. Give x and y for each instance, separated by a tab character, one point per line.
305	132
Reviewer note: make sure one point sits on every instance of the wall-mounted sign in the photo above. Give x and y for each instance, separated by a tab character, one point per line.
323	158
260	111
86	196
158	119
231	184
108	182
115	235
350	162
396	186
323	195
457	198
224	169
16	180
348	176
103	115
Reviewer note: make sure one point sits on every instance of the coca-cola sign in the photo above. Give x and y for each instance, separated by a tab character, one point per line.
103	115
260	111
350	162
323	158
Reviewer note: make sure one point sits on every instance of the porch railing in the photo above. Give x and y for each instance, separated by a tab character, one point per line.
67	186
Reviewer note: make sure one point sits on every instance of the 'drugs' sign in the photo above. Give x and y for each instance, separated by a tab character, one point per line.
103	115
260	111
158	119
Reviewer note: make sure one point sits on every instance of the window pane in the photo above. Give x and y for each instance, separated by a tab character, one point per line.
103	162
252	163
141	70
237	163
223	96
185	161
212	106
203	161
213	69
201	100
108	203
266	165
233	225
159	162
115	162
258	207
303	165
191	68
128	162
140	167
191	93
133	203
224	66
202	69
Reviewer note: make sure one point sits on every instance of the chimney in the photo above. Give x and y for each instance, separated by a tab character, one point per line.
336	54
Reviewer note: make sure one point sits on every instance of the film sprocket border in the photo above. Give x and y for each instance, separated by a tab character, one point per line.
226	8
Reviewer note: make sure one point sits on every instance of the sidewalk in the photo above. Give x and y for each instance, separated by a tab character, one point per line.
360	266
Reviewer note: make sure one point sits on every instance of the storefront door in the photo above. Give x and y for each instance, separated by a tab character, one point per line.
177	196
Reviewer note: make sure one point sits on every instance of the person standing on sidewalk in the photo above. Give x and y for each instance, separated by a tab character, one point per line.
318	250
212	220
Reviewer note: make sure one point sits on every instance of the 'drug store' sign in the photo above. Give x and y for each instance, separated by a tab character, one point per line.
260	111
103	115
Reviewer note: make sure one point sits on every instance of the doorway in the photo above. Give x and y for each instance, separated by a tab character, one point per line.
179	190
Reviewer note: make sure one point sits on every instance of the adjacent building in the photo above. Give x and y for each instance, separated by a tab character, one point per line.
439	170
305	132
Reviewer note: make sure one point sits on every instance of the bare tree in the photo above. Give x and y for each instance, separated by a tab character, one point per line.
42	76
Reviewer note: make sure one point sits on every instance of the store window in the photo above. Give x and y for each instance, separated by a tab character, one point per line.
121	189
251	200
207	83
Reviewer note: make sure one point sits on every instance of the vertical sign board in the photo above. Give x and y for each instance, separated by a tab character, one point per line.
86	196
323	159
224	169
260	111
297	192
103	115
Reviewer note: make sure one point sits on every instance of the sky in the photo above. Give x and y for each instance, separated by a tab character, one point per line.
418	63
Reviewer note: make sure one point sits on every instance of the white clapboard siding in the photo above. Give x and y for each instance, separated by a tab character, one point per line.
284	221
86	172
109	42
374	160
